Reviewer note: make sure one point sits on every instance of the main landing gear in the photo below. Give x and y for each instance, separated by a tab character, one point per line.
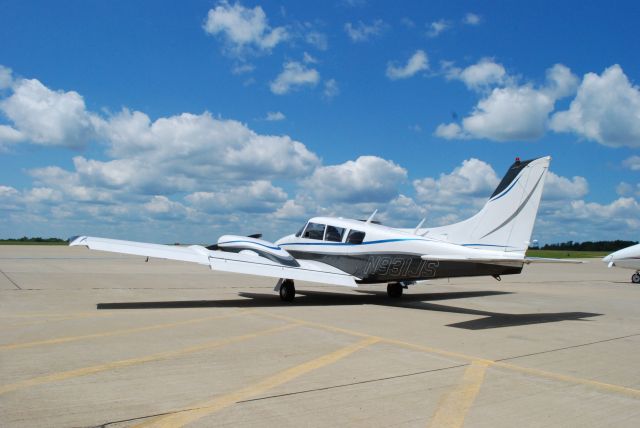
287	290
635	278
394	290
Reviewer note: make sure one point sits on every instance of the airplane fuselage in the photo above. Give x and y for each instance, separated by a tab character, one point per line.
627	258
380	254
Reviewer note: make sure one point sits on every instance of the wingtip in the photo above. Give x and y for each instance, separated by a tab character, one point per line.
76	240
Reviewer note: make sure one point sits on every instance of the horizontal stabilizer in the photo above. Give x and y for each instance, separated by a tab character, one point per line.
497	260
485	260
530	260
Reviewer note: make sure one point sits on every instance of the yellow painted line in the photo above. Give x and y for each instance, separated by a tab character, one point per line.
436	351
67	339
46	314
55	377
198	411
608	387
348	332
534	372
58	318
455	404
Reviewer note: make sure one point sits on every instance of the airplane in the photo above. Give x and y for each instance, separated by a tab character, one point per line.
349	252
627	258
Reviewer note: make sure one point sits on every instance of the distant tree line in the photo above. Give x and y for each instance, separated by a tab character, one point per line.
590	245
36	239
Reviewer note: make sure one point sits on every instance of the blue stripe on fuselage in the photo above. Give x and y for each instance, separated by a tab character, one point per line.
381	241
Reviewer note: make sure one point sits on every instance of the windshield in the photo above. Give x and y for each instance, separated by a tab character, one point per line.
314	231
299	232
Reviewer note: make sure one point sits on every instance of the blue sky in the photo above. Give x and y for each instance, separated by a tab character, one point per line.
182	121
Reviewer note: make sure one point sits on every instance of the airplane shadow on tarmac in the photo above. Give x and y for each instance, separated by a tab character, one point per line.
420	301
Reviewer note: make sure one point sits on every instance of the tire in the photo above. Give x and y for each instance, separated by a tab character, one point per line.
287	291
394	290
635	278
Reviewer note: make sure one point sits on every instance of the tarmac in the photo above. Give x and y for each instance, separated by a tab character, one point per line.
97	339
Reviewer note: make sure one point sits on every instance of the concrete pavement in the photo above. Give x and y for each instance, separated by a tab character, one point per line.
97	339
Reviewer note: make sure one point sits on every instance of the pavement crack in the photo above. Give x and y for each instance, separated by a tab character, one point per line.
568	347
138	418
10	280
325	388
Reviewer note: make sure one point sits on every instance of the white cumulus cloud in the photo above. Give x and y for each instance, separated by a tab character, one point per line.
450	131
473	179
331	89
606	110
243	28
47	117
561	82
361	32
562	188
508	112
437	27
628	189
472	19
275	116
257	196
318	40
367	179
9	135
418	62
513	113
479	76
633	163
6	77
202	147
293	76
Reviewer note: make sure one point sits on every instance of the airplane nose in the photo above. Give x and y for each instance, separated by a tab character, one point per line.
607	259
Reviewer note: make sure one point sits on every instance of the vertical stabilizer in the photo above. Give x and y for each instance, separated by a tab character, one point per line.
506	221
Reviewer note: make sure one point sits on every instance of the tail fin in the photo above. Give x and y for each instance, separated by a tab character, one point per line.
506	221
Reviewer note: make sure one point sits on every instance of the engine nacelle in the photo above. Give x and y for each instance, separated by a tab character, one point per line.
266	249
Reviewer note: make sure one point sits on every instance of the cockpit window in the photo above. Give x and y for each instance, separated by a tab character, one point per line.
314	231
299	232
334	234
355	237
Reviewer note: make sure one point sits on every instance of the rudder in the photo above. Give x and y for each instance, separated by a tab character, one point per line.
506	221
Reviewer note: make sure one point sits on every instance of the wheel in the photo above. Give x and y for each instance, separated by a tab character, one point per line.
635	278
287	291
394	290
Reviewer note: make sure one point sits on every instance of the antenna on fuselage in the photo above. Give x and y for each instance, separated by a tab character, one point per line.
415	232
370	219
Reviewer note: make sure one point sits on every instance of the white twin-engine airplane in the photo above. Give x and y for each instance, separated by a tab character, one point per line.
345	252
627	258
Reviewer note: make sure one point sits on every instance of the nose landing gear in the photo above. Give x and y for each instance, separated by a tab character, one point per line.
635	278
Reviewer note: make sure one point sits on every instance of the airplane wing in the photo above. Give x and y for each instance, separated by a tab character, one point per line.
249	263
